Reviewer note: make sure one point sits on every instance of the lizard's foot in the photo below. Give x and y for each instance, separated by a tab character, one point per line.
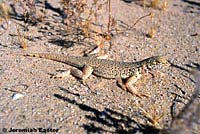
128	86
133	90
61	74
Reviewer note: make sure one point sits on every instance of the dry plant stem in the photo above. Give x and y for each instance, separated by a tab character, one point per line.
140	19
164	6
144	3
109	9
22	41
152	32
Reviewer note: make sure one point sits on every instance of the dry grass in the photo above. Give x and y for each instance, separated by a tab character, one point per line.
156	4
21	39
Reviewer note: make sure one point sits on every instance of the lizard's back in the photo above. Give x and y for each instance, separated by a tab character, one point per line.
111	69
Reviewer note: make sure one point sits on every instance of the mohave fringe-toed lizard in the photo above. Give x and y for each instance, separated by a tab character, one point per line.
128	71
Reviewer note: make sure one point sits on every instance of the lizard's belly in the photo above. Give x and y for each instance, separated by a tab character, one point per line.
111	73
105	74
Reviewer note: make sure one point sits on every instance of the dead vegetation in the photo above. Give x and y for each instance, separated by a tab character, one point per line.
86	20
156	4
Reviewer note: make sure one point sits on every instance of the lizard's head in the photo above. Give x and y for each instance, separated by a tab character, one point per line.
160	60
157	62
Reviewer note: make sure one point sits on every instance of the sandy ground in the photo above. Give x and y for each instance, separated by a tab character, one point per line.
69	106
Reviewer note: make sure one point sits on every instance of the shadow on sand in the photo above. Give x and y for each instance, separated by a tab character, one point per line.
121	123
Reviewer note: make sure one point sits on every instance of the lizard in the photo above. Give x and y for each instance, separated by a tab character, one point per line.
109	69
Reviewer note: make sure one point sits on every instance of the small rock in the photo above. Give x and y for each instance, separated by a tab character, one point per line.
17	96
102	115
50	33
97	92
121	51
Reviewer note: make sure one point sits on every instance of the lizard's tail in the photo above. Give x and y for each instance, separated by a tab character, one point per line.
71	60
55	57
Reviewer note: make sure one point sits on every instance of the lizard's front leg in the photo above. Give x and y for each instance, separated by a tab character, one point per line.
128	85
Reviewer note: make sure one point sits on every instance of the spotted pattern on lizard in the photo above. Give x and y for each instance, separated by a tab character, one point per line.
131	71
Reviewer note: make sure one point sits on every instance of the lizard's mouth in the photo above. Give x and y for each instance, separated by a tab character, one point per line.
168	64
159	66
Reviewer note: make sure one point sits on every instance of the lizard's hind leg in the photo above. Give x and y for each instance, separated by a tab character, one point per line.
83	75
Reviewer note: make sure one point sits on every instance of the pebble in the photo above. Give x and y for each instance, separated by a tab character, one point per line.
126	34
50	33
121	51
102	115
17	96
97	92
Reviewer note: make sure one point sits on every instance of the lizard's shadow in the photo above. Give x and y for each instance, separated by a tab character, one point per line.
108	117
187	68
192	2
